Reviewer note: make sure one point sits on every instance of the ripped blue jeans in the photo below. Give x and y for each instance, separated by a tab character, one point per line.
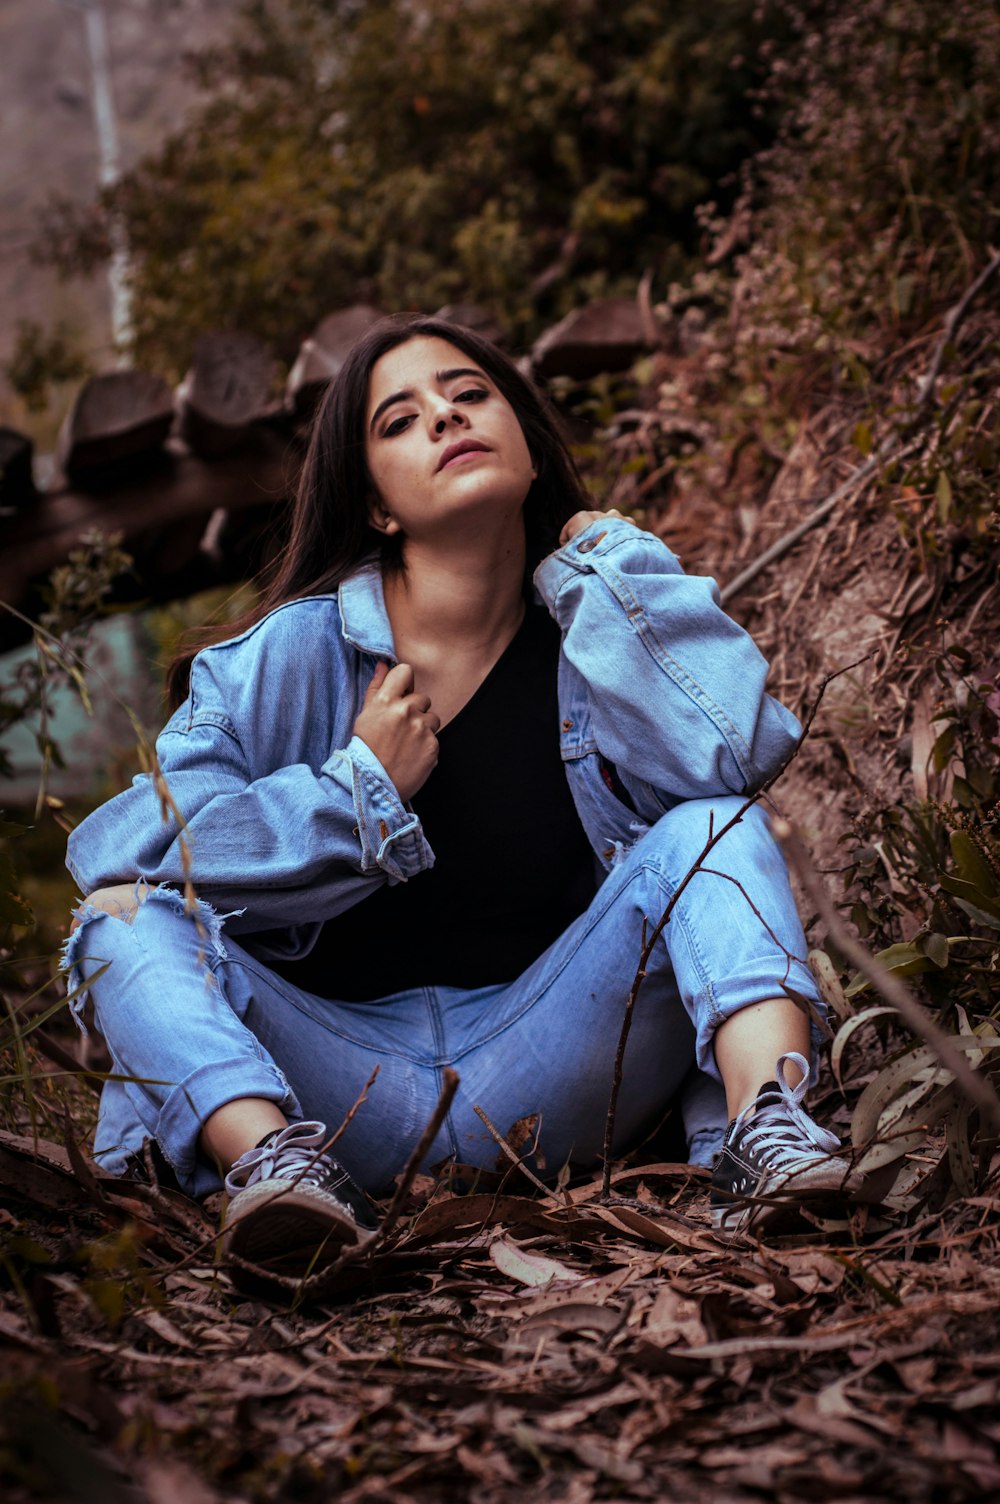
194	1021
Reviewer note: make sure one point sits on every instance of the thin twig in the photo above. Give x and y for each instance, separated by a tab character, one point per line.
449	1086
788	540
55	1052
729	878
889	986
952	320
515	1158
314	1283
649	941
887	449
351	1111
651	328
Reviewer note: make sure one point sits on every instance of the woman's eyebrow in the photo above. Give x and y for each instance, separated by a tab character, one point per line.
441	377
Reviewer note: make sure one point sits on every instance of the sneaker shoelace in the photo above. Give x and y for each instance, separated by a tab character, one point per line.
289	1154
775	1129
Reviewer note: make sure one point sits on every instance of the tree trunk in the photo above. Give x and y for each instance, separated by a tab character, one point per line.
321	357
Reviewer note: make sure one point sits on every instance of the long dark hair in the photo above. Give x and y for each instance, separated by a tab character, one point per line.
330	534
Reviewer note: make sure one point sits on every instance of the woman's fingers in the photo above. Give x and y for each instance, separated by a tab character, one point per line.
377	680
576	524
398	685
400	727
580	520
395	682
399	681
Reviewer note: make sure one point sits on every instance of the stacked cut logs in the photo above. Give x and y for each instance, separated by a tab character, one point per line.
194	480
189	480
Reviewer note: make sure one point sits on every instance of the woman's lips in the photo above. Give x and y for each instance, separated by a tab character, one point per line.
455	454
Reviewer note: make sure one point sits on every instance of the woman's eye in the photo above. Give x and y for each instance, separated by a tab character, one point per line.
401	424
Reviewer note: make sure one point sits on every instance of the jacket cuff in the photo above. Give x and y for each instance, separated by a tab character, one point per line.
391	836
581	555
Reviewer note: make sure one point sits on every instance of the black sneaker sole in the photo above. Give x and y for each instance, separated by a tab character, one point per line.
294	1232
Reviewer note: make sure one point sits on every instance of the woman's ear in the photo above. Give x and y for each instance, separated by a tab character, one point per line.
381	520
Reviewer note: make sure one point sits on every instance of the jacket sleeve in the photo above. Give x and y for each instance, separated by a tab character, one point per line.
295	846
676	687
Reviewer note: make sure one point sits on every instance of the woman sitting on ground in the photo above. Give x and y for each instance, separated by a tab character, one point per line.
431	794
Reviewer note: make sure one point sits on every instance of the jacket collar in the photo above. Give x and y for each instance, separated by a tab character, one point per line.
363	616
364	619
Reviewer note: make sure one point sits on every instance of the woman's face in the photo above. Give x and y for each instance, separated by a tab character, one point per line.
445	450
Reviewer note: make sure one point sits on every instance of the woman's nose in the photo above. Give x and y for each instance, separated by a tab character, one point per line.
452	415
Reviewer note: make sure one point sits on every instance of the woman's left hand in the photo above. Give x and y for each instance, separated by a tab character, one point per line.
580	520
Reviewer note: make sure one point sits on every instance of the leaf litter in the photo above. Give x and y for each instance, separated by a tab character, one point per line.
497	1342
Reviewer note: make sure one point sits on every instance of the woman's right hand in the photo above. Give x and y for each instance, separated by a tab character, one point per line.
400	728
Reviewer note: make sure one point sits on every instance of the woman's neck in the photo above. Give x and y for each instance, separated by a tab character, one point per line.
467	600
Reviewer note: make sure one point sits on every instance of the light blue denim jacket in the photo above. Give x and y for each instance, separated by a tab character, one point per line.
290	818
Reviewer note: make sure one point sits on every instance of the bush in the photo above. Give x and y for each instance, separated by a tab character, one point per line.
828	282
876	201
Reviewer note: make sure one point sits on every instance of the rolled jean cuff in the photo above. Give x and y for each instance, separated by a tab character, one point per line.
722	999
189	1106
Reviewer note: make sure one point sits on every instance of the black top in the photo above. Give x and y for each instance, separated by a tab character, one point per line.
513	866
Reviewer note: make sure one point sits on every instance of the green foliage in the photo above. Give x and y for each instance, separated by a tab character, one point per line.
475	150
924	882
41	358
946	495
37	889
76	596
827	284
934	865
14	912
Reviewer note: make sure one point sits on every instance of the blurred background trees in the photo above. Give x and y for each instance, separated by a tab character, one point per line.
523	156
840	159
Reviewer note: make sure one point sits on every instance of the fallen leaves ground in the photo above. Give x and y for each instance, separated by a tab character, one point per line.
504	1346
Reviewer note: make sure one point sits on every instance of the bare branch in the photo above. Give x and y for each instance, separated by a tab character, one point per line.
516	1159
953	319
449	1086
889	986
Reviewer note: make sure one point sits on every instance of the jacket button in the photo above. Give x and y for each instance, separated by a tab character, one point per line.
589	543
567	725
